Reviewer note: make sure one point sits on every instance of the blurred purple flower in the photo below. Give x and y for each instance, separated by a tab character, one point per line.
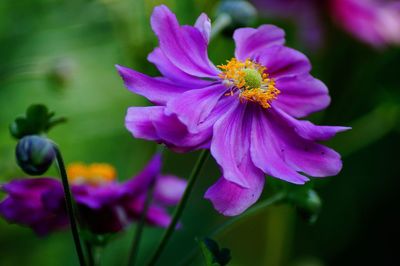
305	14
104	207
243	112
35	202
376	22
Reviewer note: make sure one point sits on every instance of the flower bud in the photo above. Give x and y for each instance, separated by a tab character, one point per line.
242	13
34	154
307	202
60	72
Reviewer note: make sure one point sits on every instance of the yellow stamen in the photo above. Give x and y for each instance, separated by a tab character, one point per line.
94	174
252	81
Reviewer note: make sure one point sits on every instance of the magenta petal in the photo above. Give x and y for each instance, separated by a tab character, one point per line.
158	216
184	46
290	152
231	143
374	22
231	199
169	189
138	121
251	42
152	123
26	204
309	131
171	72
96	197
156	90
282	61
301	95
30	187
268	151
139	184
194	106
203	24
155	215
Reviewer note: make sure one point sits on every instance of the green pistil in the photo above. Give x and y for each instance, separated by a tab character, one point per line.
252	78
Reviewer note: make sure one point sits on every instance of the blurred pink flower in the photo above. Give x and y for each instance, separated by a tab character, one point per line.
376	22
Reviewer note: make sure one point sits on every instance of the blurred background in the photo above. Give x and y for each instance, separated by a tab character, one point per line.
62	54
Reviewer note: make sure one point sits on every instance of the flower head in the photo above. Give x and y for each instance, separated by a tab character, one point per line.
376	22
251	80
96	174
104	205
244	111
306	15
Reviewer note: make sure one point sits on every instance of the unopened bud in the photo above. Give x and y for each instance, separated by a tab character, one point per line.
242	13
308	204
34	154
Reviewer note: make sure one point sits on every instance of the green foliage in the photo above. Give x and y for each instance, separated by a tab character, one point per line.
213	254
97	239
37	120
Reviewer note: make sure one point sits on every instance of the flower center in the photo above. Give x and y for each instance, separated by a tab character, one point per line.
251	80
95	174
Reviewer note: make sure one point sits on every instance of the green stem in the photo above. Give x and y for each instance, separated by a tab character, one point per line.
139	229
89	252
97	255
70	208
179	209
231	222
220	23
253	211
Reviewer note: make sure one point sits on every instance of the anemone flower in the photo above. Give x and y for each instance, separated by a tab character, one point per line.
243	111
105	206
305	14
376	22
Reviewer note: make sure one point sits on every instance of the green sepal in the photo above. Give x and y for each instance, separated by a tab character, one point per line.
37	120
213	255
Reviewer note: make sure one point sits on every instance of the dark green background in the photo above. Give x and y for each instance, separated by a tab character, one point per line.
62	54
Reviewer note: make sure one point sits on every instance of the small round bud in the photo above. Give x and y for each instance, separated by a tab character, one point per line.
307	202
34	154
309	206
242	13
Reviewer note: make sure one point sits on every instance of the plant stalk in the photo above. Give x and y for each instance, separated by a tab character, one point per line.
70	207
179	209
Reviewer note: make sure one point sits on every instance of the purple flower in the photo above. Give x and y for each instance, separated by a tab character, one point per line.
376	22
305	14
36	203
244	112
104	205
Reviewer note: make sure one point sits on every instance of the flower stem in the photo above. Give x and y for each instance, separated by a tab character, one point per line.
70	208
229	223
89	252
179	209
253	211
139	229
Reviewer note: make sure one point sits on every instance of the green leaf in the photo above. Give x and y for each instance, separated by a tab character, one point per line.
37	120
213	255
